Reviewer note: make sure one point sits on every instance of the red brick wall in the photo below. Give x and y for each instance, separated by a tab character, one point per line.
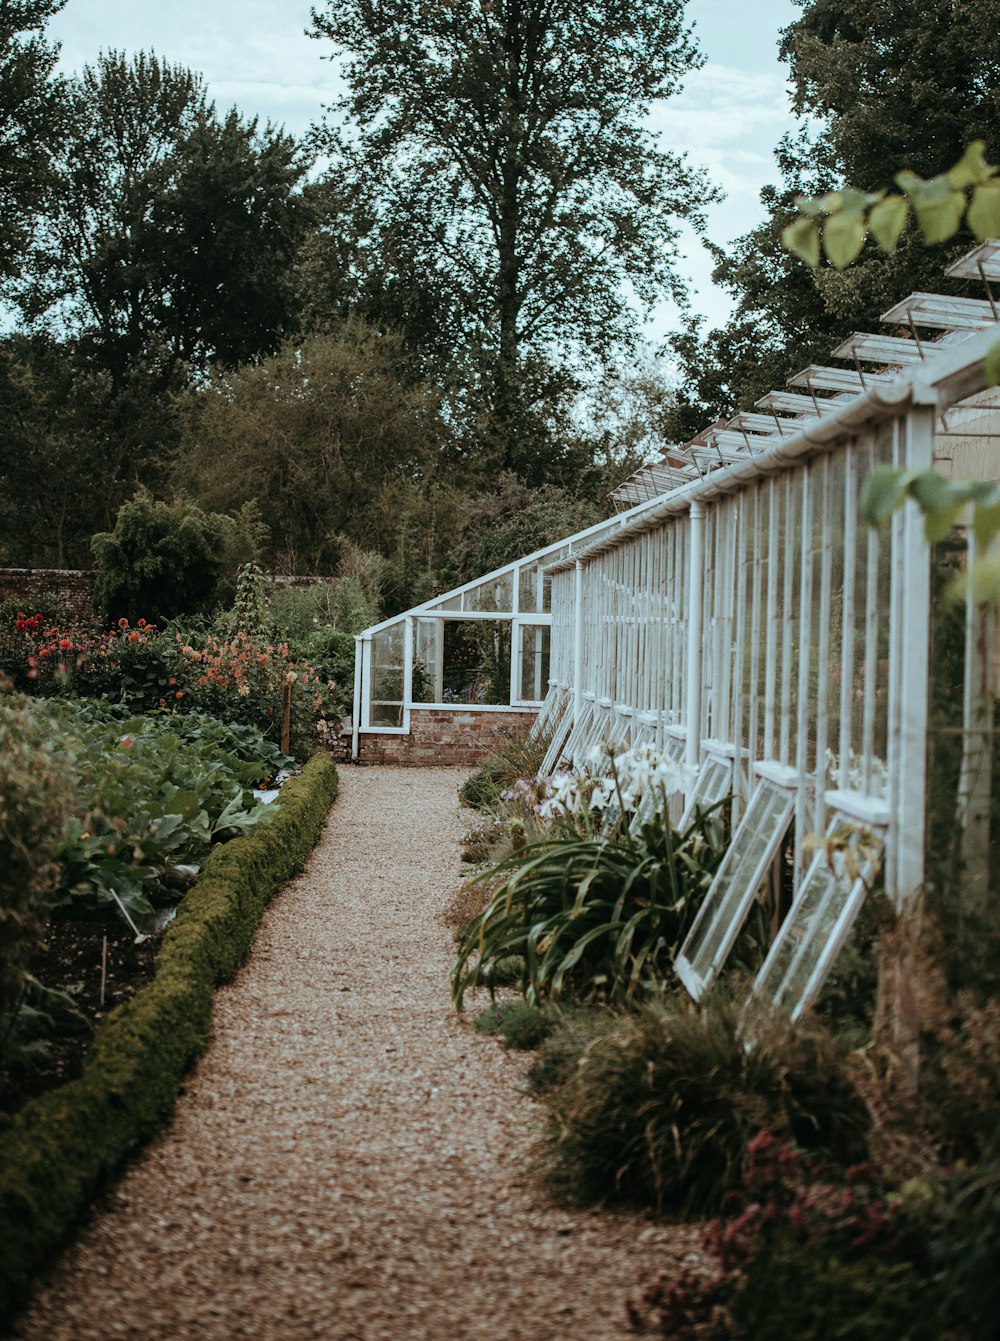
447	738
71	587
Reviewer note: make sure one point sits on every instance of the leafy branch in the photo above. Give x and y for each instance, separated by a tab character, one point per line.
838	222
943	502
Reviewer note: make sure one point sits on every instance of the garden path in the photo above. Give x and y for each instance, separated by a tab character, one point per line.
346	1162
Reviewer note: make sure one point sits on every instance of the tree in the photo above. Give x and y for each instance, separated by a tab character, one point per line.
167	559
71	449
495	165
327	436
30	100
905	84
171	233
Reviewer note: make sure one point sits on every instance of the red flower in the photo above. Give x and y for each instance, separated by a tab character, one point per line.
65	644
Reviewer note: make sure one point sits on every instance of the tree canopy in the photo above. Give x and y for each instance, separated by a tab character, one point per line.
328	436
904	84
170	235
30	105
501	184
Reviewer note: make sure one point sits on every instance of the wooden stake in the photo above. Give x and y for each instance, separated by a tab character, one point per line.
286	715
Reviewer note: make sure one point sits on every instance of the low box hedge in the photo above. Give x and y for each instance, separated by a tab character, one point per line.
64	1147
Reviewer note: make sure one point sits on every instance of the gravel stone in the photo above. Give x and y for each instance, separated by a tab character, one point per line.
347	1161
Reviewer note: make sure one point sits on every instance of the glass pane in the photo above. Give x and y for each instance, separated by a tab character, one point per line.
533	680
428	648
496	594
821	918
736	882
386	702
715	780
475	661
533	590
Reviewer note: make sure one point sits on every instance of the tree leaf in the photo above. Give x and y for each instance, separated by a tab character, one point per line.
986	523
938	208
801	238
884	490
983	216
981	583
972	168
843	237
887	220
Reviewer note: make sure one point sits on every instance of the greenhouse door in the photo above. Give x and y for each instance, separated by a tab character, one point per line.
529	666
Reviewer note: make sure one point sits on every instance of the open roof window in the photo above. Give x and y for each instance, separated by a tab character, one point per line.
820	920
755	845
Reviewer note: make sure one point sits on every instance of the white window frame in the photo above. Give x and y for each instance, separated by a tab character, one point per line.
696	971
850	890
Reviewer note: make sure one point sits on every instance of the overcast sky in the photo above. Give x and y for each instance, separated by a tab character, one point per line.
254	53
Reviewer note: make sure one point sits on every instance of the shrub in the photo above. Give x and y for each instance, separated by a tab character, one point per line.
592	918
658	1110
560	1053
35	795
165	559
514	758
519	1025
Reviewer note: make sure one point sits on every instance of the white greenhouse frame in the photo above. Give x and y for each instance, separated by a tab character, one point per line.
741	609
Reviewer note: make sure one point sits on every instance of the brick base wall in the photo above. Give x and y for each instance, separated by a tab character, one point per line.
446	738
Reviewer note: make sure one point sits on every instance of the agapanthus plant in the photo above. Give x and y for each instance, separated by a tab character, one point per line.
593	911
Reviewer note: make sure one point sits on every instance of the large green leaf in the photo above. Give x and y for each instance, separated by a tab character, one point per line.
983	215
887	219
883	492
801	238
938	207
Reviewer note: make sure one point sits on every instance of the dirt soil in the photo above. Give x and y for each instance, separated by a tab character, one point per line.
71	959
347	1161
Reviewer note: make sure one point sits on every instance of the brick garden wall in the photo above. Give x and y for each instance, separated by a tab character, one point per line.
71	587
445	738
74	587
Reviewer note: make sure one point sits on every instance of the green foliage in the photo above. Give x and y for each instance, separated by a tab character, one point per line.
169	231
34	798
61	1150
658	1109
842	219
795	1287
146	800
163	560
943	502
38	1015
593	918
512	520
328	436
496	161
521	1026
30	110
878	89
519	757
575	1029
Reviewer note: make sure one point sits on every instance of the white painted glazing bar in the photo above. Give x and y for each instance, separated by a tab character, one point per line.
847	620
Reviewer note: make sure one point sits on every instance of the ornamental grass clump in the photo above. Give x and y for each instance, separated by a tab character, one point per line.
657	1109
594	912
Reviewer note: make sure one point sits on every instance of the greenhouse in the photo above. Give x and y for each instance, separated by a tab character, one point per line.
740	616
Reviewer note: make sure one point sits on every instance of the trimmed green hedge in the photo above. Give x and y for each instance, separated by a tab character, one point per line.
62	1148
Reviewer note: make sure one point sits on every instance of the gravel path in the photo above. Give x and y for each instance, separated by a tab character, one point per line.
346	1160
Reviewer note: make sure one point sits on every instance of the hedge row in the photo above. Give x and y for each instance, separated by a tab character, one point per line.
62	1148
